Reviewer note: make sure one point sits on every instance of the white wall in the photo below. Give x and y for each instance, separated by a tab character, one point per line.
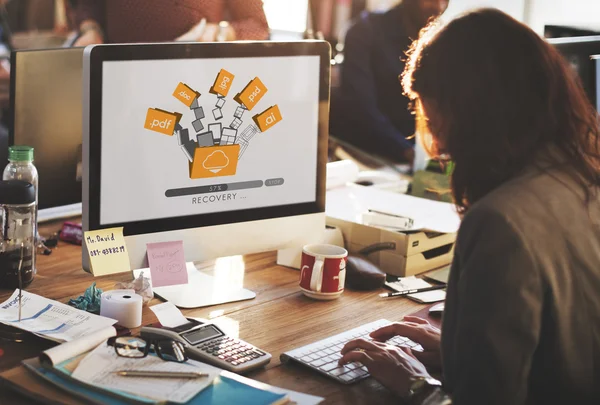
513	7
575	13
535	13
456	7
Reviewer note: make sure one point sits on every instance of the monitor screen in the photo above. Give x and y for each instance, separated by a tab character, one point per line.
185	137
46	112
578	51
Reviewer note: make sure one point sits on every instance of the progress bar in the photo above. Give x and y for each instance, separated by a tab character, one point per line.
215	188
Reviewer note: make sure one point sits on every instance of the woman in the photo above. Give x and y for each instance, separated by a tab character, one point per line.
522	317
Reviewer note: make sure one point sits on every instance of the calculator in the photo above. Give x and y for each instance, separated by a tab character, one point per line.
207	343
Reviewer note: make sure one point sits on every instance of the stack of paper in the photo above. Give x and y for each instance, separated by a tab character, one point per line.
51	319
99	368
351	202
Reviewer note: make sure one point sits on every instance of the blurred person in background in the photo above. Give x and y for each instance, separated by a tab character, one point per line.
128	21
369	110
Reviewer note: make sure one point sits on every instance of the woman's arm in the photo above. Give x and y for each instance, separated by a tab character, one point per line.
248	19
493	312
89	16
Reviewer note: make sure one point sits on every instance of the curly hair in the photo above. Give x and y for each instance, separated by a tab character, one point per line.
502	94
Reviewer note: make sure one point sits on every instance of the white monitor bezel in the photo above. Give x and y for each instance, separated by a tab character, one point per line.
95	56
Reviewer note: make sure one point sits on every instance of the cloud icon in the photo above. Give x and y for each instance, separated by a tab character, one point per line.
216	161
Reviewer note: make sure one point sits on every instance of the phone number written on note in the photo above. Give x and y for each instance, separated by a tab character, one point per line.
107	251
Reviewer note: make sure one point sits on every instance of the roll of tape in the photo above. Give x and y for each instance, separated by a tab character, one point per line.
123	305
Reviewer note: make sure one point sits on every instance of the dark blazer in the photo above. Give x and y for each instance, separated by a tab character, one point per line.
369	109
522	317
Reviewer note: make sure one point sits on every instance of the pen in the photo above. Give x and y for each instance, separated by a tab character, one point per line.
415	290
387	213
160	374
20	280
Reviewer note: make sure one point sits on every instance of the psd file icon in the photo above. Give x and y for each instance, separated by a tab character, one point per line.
214	161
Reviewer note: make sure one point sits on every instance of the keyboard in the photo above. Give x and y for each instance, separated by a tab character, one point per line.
323	356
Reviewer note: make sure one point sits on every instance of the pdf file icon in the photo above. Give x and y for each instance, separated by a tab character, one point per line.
162	121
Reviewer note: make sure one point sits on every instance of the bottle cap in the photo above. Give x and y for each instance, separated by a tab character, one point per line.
16	192
19	153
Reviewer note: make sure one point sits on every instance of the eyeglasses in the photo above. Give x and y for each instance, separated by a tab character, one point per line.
134	347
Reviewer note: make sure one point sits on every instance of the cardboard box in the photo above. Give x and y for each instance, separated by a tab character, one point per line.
414	253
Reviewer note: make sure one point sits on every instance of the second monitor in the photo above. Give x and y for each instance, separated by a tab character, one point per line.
223	146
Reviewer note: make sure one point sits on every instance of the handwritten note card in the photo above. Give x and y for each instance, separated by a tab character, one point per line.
167	263
108	251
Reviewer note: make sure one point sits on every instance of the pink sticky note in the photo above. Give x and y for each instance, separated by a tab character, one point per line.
167	263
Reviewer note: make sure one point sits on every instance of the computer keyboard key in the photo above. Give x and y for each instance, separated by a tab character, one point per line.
362	371
354	374
329	366
346	377
317	363
336	372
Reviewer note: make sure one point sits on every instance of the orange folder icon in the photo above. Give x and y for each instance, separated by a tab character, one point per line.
185	94
267	118
222	83
252	94
214	161
162	121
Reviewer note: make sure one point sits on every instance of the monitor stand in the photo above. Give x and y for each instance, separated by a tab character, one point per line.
202	290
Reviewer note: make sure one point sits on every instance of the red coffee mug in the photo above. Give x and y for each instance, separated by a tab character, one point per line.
323	271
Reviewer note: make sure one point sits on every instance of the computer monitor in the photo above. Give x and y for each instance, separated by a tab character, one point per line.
578	52
239	169
46	114
562	31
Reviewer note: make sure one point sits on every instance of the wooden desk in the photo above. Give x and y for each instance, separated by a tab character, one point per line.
280	318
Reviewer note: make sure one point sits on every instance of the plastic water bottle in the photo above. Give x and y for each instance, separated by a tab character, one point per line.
20	167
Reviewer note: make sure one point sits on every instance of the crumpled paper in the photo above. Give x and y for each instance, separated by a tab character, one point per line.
141	285
89	301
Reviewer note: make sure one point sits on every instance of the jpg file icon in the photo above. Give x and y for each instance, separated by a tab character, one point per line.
222	83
